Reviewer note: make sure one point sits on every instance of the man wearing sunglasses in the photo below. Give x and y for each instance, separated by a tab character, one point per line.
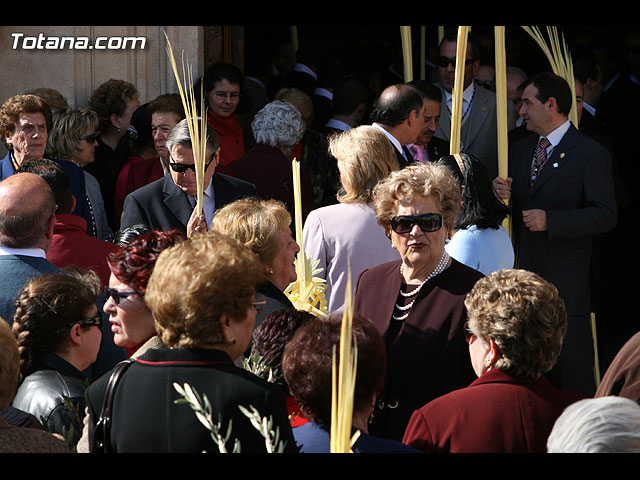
478	130
169	203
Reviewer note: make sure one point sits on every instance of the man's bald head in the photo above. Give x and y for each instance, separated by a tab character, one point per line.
27	211
396	103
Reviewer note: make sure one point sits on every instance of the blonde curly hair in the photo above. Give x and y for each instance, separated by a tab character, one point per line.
525	317
194	283
417	180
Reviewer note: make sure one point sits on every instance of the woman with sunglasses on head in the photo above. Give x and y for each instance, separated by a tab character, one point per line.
73	138
131	266
417	302
57	325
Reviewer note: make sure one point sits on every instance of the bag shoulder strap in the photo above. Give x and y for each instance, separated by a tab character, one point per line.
102	433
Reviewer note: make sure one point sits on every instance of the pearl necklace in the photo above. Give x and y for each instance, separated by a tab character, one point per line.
442	264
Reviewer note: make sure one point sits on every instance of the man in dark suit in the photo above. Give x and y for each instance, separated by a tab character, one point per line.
478	127
399	113
428	147
559	204
169	202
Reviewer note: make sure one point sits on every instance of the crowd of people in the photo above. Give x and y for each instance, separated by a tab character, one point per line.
133	321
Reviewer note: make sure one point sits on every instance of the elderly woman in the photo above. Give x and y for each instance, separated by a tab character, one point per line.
131	266
114	101
222	86
516	326
57	325
417	302
73	139
206	319
264	227
307	366
480	240
347	235
25	121
277	127
597	425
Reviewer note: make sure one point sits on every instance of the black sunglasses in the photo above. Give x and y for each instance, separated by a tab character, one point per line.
428	222
183	167
90	322
90	138
117	295
96	320
445	61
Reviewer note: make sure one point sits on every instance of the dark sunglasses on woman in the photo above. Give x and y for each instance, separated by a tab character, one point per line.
117	295
428	222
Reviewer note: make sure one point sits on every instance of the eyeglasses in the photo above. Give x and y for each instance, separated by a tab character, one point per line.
468	335
429	222
445	61
90	138
183	167
224	95
117	295
96	320
259	304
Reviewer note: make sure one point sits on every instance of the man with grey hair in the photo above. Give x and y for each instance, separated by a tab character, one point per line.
27	218
169	202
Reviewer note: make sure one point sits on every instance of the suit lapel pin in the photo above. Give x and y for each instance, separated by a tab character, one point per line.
555	165
562	155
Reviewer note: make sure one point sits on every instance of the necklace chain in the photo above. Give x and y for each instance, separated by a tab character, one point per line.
442	264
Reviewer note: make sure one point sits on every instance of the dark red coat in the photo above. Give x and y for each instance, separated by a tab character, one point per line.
497	413
72	246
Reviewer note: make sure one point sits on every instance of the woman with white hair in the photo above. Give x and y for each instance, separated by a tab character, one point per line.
597	425
277	128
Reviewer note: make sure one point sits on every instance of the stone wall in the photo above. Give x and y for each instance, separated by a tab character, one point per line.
76	59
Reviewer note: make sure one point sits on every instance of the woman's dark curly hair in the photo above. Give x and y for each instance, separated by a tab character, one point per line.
47	307
111	97
307	365
273	333
134	262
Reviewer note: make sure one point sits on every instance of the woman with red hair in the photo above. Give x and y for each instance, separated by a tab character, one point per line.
131	320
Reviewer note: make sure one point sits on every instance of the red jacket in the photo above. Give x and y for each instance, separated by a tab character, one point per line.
72	246
497	413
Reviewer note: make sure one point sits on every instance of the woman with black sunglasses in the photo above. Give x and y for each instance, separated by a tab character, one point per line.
73	139
417	302
131	266
57	325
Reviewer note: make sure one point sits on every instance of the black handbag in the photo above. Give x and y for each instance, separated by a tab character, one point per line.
102	431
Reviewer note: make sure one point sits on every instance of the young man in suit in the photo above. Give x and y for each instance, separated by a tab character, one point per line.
478	127
169	202
562	195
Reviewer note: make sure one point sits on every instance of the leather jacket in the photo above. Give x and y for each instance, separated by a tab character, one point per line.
56	398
